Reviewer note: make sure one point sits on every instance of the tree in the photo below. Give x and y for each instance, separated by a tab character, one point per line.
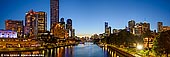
147	34
124	37
103	40
162	43
156	48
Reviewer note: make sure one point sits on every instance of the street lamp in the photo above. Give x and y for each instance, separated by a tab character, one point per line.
139	47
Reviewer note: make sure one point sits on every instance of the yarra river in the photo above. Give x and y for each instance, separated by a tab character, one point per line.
82	50
88	49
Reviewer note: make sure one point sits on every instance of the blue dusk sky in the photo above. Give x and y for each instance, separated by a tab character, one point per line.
88	16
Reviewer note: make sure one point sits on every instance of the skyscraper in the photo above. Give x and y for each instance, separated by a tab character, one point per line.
145	27
69	24
131	25
35	22
15	25
31	23
107	29
73	33
138	29
160	26
62	22
42	22
54	12
141	28
106	26
69	27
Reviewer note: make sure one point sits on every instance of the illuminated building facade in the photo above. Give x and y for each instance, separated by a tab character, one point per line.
62	22
138	29
69	27
59	31
62	30
35	22
160	24
106	26
15	25
107	29
145	27
19	43
110	30
165	28
31	23
141	28
42	22
73	33
69	24
54	12
148	42
162	28
8	34
131	25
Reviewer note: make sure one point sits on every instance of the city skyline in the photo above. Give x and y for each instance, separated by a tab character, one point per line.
87	19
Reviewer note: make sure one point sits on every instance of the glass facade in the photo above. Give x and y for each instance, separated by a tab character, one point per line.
15	25
8	34
54	11
35	22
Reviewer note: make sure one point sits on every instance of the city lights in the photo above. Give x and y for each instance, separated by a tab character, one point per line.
139	47
74	28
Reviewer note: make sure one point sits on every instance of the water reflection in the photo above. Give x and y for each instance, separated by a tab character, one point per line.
87	49
82	50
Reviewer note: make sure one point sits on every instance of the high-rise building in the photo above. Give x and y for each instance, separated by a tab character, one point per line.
69	24
138	29
15	25
131	25
106	26
42	22
141	28
59	31
62	22
162	28
35	22
73	33
54	12
110	31
31	23
107	29
69	27
145	27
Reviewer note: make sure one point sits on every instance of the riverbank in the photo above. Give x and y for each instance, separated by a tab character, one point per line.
47	46
123	50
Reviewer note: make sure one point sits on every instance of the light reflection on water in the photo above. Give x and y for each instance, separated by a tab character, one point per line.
81	50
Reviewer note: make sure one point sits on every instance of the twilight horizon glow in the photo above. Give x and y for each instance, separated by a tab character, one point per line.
89	15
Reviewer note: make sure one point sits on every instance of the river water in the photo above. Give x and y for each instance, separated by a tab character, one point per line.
81	50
